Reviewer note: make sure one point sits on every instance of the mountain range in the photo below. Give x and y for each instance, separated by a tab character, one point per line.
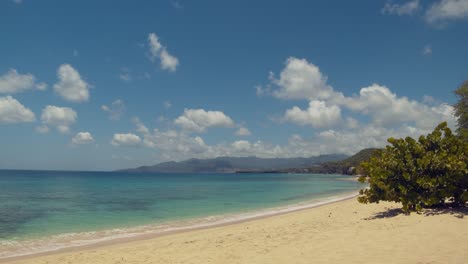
236	164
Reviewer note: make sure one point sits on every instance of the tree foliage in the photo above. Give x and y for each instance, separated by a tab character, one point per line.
461	110
419	173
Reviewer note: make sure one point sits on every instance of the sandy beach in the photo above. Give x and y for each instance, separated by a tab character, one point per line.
341	232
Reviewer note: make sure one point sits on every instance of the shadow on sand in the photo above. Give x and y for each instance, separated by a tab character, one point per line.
458	212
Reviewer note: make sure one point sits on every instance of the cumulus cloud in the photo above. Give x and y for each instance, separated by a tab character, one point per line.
70	85
60	118
126	140
300	80
199	120
383	106
12	111
243	131
115	110
179	145
14	82
447	10
407	8
318	115
387	109
158	51
82	138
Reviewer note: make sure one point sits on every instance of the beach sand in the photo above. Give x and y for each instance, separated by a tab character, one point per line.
341	232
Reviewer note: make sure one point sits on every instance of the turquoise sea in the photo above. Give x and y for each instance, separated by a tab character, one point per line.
44	210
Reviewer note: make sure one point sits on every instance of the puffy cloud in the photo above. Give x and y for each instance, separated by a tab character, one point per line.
14	82
168	62
300	80
12	111
82	138
198	120
126	140
447	10
407	8
179	145
70	85
115	110
387	109
318	115
59	117
157	50
243	131
241	145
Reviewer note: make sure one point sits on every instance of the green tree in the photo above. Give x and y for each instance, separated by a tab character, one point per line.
461	110
419	173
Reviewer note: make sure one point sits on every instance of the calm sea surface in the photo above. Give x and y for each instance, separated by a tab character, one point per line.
35	205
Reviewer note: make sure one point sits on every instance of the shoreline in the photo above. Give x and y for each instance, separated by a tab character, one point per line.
183	227
343	231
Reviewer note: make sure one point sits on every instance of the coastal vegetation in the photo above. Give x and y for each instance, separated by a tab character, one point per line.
461	110
429	172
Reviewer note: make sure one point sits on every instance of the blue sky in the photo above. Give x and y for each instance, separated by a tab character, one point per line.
98	85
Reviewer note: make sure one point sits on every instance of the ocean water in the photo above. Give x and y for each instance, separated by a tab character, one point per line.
45	210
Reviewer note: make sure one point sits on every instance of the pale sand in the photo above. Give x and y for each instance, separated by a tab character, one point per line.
342	232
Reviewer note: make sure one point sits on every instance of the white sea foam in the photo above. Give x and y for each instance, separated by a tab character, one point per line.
16	248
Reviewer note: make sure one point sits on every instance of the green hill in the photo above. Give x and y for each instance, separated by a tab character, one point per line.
346	166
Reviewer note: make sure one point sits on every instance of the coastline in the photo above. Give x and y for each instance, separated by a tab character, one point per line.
338	232
146	232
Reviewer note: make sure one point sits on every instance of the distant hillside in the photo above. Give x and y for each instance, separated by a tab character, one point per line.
340	167
234	164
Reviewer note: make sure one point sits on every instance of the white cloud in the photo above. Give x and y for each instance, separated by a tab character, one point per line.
70	85
157	50
349	139
243	131
427	50
59	117
241	145
82	138
126	140
371	117
140	127
198	120
407	8
167	104
447	10
14	82
383	106
115	110
387	109
12	111
168	62
300	80
318	115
